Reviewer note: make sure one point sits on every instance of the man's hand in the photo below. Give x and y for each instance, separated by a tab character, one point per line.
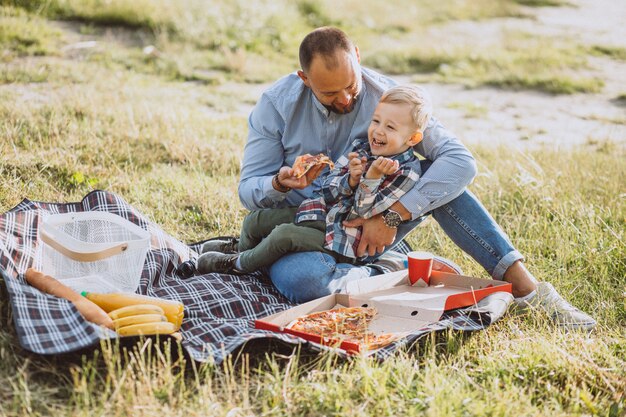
355	167
382	166
375	237
287	179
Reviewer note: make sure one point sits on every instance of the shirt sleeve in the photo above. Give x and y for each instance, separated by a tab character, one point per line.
374	196
453	168
262	157
337	184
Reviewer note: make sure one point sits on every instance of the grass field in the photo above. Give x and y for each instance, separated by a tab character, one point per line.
149	99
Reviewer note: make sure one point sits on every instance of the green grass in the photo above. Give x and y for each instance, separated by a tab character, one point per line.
542	3
22	34
165	130
614	52
470	109
517	62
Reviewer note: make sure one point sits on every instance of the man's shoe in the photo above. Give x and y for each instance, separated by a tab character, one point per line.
223	263
226	245
562	313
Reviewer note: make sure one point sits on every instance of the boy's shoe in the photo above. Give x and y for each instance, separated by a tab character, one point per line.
224	245
223	263
562	313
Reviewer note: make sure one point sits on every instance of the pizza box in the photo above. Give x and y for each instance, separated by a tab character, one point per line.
401	308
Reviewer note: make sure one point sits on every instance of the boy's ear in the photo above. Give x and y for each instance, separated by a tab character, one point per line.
416	138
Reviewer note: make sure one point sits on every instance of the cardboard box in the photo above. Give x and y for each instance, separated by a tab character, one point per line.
402	308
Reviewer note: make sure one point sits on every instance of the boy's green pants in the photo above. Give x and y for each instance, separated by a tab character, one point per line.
268	234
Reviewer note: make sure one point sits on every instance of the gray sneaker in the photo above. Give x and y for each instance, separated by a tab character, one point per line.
223	263
227	245
562	313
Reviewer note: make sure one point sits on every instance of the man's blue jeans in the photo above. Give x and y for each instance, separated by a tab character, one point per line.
305	276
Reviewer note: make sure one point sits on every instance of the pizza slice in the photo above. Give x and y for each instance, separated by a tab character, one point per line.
304	163
347	324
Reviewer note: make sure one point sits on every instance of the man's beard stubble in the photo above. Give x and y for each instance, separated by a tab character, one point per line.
345	110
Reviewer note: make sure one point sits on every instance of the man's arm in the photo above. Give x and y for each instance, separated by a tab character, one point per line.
453	168
263	156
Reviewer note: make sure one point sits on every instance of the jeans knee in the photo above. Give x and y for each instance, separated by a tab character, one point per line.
303	276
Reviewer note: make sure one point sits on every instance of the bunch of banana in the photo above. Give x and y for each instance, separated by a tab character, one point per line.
141	319
174	310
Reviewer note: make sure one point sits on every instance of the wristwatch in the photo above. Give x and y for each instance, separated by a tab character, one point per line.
392	219
279	187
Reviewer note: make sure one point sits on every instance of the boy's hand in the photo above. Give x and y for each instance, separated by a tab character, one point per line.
382	166
355	167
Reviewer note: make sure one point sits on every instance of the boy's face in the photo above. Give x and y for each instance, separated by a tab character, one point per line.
392	129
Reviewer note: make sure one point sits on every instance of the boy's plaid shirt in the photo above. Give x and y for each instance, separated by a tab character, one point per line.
336	201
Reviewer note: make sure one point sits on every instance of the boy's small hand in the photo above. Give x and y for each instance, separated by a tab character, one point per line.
355	167
382	166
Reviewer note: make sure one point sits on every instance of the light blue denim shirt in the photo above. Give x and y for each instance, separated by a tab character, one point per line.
288	121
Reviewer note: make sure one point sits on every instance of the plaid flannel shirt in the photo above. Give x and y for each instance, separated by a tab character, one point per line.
337	201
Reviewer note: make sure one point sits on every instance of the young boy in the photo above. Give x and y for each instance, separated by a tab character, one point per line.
365	182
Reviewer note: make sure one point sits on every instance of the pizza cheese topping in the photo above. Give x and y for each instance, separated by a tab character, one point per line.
348	324
305	162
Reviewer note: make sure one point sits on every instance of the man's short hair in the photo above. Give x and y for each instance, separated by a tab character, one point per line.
417	97
324	41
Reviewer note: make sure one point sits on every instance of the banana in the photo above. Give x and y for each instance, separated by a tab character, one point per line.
138	319
146	329
136	309
174	310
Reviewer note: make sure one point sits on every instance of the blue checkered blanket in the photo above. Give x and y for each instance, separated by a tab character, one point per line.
220	309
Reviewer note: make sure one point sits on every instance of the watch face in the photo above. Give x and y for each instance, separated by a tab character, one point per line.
392	219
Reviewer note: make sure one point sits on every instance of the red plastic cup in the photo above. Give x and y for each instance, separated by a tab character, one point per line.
420	267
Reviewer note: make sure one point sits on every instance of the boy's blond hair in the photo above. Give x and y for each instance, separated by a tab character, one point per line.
415	96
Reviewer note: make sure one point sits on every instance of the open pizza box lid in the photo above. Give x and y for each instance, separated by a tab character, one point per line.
402	308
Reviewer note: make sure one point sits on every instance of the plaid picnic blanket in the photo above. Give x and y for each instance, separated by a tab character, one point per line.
220	309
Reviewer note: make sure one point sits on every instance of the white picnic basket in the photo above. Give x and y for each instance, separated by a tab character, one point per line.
93	251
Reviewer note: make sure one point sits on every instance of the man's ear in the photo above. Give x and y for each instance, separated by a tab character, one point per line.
416	138
304	78
358	55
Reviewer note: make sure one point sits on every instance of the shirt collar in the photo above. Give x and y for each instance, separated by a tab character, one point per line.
319	105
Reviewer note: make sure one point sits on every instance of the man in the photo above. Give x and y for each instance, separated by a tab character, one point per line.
323	108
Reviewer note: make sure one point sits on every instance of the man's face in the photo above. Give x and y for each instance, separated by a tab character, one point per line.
337	88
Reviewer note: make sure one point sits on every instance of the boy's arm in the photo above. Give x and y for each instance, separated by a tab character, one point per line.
374	196
336	184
